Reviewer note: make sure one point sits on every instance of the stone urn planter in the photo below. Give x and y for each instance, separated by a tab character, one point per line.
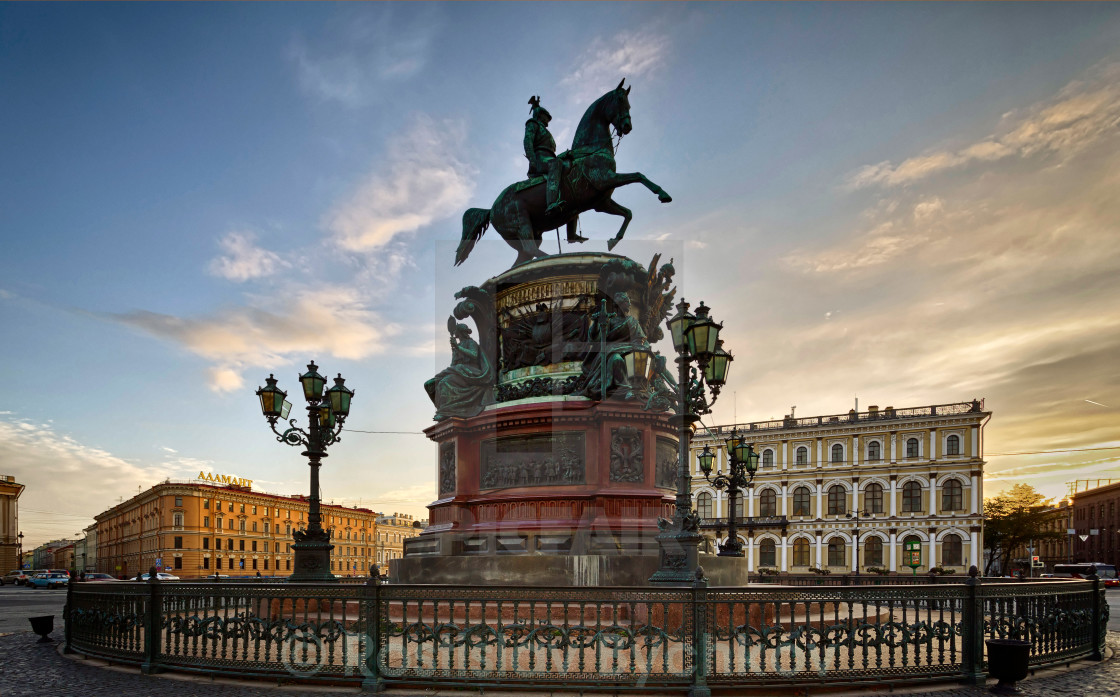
42	626
1008	662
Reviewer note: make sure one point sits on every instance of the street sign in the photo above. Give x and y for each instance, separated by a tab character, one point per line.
1094	531
912	555
159	562
1036	562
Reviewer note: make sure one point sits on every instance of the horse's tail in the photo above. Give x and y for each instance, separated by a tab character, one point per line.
475	222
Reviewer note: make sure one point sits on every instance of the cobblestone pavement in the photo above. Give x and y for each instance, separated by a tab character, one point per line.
30	669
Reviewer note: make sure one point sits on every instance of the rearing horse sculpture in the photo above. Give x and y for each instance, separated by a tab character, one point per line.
589	180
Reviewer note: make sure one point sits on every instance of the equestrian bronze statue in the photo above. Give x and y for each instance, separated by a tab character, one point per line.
521	213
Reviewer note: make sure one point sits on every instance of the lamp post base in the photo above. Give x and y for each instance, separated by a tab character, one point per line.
678	552
312	558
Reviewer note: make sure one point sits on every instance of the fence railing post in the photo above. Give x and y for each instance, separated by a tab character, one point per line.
973	628
1098	631
700	621
373	680
152	624
66	624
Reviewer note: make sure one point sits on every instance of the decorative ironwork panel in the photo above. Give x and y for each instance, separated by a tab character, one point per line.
665	476
446	468
552	459
627	461
108	619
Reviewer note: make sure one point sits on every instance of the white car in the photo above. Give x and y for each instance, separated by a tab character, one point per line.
160	576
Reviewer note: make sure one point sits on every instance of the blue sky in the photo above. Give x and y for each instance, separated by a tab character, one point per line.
910	203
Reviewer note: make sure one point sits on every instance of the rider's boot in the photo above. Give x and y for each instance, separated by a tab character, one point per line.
552	188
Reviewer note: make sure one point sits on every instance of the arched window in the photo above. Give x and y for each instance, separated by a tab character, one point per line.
952	496
951	550
737	509
801	499
837	453
874	451
767	553
801	552
912	448
873	498
912	497
953	445
768	503
837	553
704	505
836	500
873	552
768	459
802	456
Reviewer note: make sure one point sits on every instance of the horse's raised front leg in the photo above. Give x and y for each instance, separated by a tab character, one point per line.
612	207
612	180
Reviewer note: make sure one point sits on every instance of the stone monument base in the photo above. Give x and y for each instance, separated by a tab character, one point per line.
554	570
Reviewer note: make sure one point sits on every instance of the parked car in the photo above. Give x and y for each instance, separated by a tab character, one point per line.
99	577
159	575
58	571
17	577
48	580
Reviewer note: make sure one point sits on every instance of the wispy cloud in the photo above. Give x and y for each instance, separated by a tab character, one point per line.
362	50
243	260
420	182
1080	115
332	320
60	472
630	54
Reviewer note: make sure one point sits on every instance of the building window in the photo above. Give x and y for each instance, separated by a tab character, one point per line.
205	521
230	504
873	498
254	563
912	448
242	508
178	500
768	459
206	504
230	559
206	543
287	529
206	562
837	553
768	503
704	505
912	497
953	445
952	550
254	510
874	451
802	455
178	542
231	523
266	545
287	564
873	552
952	496
177	520
801	552
836	500
229	544
767	553
241	545
254	545
801	498
266	528
837	453
242	525
254	526
178	562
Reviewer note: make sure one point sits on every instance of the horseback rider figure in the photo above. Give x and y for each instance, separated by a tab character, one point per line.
540	149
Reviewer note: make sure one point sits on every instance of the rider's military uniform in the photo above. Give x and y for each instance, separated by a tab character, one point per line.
540	149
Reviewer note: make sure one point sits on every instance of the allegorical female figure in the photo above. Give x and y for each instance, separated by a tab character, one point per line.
466	386
610	339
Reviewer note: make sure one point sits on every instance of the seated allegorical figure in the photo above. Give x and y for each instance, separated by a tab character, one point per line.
609	340
467	385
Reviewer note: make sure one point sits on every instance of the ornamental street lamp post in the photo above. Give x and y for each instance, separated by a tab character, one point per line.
742	466
326	413
20	558
856	515
696	340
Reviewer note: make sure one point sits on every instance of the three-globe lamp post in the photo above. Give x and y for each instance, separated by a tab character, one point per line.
702	365
326	412
742	466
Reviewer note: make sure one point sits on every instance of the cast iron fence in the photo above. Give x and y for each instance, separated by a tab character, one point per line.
672	639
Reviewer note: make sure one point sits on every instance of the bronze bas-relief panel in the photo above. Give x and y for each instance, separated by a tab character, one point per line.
553	459
446	468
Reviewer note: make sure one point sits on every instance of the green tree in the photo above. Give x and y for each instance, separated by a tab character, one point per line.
1016	517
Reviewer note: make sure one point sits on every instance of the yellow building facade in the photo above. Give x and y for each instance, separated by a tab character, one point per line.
849	491
194	529
10	550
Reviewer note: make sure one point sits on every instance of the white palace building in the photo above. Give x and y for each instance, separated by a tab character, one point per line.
882	477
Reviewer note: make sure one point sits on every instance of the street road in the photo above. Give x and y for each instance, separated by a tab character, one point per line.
17	603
